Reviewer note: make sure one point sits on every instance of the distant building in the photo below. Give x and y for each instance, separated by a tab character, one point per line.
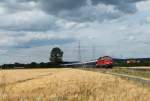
132	61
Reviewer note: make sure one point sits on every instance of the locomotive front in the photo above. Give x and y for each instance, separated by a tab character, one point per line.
104	62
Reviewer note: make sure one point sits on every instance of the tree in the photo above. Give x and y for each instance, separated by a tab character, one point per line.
33	64
56	55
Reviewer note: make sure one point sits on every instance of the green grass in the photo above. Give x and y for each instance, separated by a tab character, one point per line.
139	73
144	74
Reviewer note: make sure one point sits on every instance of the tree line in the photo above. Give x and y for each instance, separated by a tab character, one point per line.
56	58
132	62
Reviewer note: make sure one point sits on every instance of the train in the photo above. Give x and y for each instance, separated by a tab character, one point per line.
104	62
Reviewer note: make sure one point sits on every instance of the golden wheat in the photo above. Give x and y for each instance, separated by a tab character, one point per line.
69	85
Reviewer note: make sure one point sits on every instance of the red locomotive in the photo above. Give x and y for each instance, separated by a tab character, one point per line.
104	62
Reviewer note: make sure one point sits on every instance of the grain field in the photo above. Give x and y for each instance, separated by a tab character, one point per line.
67	85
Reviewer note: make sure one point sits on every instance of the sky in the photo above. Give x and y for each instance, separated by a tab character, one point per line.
29	29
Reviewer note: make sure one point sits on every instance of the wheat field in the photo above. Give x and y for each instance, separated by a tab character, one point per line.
67	85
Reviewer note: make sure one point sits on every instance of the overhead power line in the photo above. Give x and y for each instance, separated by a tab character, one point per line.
79	51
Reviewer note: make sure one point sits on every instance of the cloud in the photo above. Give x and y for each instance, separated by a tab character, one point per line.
143	6
41	39
75	10
6	40
126	6
45	42
57	6
27	21
30	28
34	39
13	6
86	10
80	13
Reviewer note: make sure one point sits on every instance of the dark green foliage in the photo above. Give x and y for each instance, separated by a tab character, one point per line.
123	63
56	55
30	65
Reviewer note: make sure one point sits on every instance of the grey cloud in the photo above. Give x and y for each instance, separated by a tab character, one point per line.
83	10
37	43
90	13
56	6
115	2
76	10
126	6
79	11
33	39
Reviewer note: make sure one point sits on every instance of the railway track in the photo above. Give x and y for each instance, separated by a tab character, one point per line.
136	68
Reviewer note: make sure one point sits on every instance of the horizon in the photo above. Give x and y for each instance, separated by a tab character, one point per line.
76	61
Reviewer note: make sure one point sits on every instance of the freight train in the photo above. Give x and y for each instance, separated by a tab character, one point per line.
104	62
